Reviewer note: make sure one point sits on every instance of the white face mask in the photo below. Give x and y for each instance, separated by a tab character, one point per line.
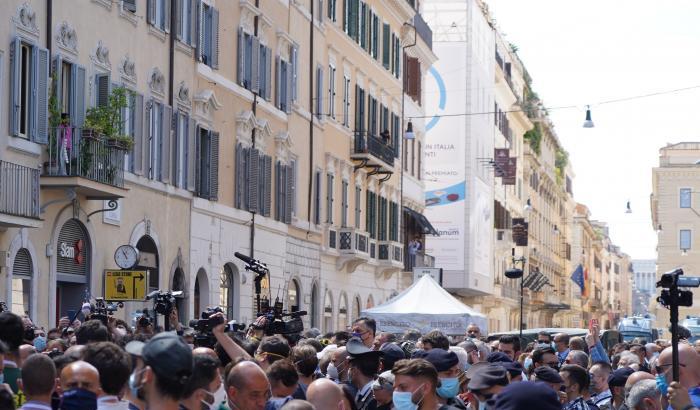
220	396
332	372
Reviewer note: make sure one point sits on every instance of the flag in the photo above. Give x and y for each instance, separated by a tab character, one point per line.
585	279
577	278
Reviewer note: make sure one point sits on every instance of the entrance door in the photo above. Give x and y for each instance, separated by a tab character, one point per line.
69	298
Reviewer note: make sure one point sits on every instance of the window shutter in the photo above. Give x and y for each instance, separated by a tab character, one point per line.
293	176
240	55
268	73
166	23
386	38
278	82
137	152
288	94
78	95
289	192
178	17
215	38
192	16
252	171
358	206
319	93
102	90
278	191
240	176
295	69
198	161
214	166
268	185
130	5
344	205
41	132
15	82
166	143
151	11
191	153
199	16
255	81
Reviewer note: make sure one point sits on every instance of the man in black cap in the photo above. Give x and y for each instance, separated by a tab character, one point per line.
487	380
168	367
527	396
447	365
392	354
616	382
514	368
549	376
363	365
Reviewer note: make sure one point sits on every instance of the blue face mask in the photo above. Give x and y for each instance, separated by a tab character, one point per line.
404	400
449	387
528	363
134	386
79	399
661	384
40	344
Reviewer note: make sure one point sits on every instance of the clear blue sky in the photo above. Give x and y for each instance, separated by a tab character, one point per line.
585	52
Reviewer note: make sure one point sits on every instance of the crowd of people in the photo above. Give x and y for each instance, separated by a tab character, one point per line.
106	364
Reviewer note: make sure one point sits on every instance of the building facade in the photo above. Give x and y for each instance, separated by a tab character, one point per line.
644	284
271	129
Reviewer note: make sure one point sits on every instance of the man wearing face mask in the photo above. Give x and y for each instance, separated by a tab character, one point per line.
338	368
415	386
363	365
167	368
576	381
114	367
80	383
447	365
365	328
135	397
205	389
486	380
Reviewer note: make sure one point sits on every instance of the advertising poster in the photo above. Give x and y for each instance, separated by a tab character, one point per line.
445	181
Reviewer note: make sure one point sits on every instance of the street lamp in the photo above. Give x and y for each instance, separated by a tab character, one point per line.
408	134
588	123
515	273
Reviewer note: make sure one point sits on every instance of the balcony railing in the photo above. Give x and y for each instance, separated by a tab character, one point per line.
421	260
423	30
366	143
20	190
75	153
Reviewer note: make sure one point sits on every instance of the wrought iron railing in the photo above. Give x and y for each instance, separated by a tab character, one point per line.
19	186
73	151
366	143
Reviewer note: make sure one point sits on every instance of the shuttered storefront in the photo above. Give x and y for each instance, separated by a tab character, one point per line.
22	269
73	253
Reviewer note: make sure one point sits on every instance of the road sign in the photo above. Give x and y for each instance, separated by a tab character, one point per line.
125	284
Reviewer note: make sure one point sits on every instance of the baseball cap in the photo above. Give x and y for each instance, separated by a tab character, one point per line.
488	376
355	348
392	354
547	374
443	360
169	356
527	396
619	377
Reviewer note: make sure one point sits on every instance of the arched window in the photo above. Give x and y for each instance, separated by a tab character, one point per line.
314	306
293	296
370	302
201	293
226	291
328	312
342	312
149	261
356	308
22	269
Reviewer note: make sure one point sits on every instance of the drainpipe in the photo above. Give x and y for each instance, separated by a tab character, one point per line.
311	118
49	18
253	108
171	53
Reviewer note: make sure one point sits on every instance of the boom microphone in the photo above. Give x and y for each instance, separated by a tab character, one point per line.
250	261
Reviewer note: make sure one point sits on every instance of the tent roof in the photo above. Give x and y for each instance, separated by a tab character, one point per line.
424	297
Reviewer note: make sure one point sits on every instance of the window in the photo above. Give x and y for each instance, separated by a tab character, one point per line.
358	206
29	78
22	269
396	133
226	291
386	46
351	18
372	126
284	183
393	221
284	85
686	198
685	239
155	140
186	22
346	101
375	37
371	220
382	218
102	90
129	5
359	109
158	14
362	37
329	198
207	164
331	10
247	46
319	11
318	107
384	118
344	205
70	89
181	152
317	198
397	56
208	44
331	91
265	75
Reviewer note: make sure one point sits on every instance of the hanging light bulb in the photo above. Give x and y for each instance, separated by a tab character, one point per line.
409	135
589	122
629	208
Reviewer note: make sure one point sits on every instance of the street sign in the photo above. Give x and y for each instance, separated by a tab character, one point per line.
436	273
125	284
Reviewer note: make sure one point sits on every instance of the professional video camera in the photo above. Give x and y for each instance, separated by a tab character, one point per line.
101	310
672	297
203	327
275	323
163	301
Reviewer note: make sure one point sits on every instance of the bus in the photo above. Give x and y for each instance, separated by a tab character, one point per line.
692	323
637	327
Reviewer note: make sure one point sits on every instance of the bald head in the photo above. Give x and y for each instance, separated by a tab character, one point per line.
205	351
247	386
635	378
324	394
689	360
80	375
25	351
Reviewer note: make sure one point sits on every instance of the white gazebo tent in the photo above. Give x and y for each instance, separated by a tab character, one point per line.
425	306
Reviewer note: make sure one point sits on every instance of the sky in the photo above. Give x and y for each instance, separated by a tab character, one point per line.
587	52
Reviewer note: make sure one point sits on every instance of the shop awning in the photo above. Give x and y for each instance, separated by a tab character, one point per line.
422	221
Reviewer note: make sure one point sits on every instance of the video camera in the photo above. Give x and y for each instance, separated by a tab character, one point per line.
101	310
203	327
275	323
163	301
670	294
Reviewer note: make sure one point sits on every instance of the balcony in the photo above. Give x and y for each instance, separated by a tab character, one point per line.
19	202
390	256
353	248
91	165
374	153
422	260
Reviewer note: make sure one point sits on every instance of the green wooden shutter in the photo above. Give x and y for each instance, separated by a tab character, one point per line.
255	81
358	206
214	32
268	185
289	193
15	86
139	140
102	90
213	166
191	154
166	144
252	171
386	45
289	89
